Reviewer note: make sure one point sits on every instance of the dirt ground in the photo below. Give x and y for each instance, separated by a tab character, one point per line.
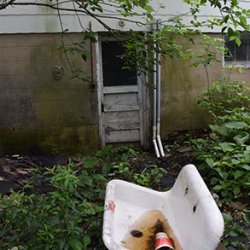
16	169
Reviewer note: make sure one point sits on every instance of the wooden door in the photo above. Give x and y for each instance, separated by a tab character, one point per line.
121	101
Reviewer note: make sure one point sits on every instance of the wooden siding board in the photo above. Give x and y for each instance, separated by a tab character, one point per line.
126	116
120	108
122	136
114	126
121	102
123	89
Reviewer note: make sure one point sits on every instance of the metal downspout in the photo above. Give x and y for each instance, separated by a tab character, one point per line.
155	106
158	126
155	93
158	70
157	98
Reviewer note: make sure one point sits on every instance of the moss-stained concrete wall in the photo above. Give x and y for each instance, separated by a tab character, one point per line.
182	85
36	109
61	115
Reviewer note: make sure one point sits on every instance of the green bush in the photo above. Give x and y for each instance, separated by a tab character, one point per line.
227	155
226	152
69	215
224	98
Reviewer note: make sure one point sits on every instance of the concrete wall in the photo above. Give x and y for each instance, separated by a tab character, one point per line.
61	115
182	85
35	108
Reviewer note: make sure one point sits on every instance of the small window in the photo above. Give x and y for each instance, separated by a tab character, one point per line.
238	55
114	73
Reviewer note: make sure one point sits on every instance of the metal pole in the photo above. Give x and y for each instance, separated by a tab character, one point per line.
155	100
158	82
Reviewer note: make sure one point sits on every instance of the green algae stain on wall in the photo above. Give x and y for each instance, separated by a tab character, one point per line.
44	112
71	139
66	116
63	108
181	87
13	140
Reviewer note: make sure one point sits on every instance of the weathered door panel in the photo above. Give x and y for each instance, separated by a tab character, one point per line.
113	126
121	102
126	135
121	98
122	117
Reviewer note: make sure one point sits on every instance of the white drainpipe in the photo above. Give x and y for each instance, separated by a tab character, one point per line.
157	101
155	107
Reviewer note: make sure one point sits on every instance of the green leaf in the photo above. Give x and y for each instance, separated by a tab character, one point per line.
230	32
234	3
236	125
90	162
86	241
236	191
75	244
243	21
234	233
210	162
247	156
223	174
227	147
84	56
106	167
223	29
246	216
235	161
241	138
238	41
238	174
217	187
220	130
214	180
225	19
227	217
246	167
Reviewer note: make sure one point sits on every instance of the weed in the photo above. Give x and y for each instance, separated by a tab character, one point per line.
226	151
69	215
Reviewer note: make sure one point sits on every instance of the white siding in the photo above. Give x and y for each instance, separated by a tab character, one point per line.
39	19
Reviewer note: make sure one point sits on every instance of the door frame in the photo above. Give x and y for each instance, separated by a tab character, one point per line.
143	95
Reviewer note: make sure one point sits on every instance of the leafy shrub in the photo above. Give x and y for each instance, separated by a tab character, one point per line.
233	231
149	176
228	157
226	152
58	219
69	215
224	98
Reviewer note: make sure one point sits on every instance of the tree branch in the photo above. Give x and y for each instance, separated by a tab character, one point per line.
81	9
5	4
